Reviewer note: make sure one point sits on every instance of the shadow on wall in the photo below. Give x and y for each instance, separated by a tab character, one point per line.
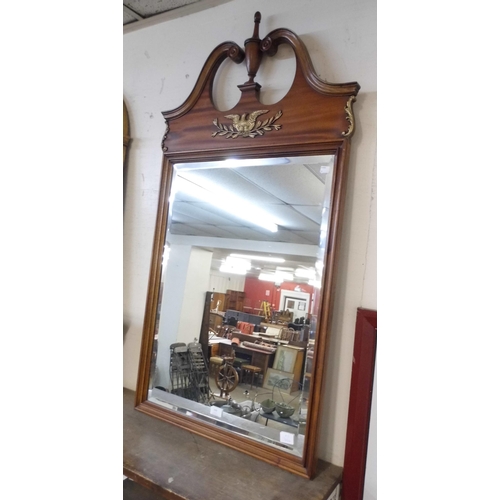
126	147
126	328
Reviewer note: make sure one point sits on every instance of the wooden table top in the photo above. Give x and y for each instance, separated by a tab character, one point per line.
178	464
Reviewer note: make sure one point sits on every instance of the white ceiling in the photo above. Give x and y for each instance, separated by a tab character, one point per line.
292	195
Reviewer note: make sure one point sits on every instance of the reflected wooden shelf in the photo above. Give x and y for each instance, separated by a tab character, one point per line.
178	464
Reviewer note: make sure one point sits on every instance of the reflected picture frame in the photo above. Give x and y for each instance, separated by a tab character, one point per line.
285	359
278	381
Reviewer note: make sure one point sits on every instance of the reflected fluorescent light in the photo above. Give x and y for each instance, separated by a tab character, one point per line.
271	277
278	260
277	277
236	262
226	201
235	266
231	270
314	283
267	277
305	273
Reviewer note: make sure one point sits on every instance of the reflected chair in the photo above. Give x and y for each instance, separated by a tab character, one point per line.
214	365
246	370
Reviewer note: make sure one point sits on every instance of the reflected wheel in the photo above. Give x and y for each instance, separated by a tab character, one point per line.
227	378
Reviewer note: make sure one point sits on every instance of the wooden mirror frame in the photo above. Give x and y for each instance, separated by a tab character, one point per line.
314	118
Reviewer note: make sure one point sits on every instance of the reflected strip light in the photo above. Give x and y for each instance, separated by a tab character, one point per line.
224	268
277	277
278	260
267	277
228	202
235	266
314	283
309	273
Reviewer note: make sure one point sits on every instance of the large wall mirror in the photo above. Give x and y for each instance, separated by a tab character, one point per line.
241	288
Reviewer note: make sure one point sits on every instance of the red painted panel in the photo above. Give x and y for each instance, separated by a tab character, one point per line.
255	292
358	421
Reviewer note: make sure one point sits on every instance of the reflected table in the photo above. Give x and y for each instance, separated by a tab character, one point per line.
274	416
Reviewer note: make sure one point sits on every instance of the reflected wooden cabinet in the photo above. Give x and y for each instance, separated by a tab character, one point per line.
234	300
218	301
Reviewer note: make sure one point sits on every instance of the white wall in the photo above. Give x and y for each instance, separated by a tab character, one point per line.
197	286
221	282
181	312
171	305
161	65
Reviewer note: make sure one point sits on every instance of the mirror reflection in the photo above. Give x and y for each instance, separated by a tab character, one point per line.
240	294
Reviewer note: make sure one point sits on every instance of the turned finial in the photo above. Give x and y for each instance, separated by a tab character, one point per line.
256	19
253	53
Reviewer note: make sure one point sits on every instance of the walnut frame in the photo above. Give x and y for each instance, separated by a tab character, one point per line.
316	118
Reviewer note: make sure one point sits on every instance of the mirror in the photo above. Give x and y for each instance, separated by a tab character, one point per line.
241	284
251	228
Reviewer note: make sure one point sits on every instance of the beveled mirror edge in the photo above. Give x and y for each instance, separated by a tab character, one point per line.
253	448
339	145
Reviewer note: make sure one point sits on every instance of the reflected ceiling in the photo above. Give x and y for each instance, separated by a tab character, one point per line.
289	194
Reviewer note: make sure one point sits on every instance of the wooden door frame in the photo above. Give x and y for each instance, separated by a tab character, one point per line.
306	296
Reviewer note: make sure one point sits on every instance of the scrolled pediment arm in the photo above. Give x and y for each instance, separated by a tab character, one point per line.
269	45
223	51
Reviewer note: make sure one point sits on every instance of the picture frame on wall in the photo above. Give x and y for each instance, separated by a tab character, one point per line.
285	358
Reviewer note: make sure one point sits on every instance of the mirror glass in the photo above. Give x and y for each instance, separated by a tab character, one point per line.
240	294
